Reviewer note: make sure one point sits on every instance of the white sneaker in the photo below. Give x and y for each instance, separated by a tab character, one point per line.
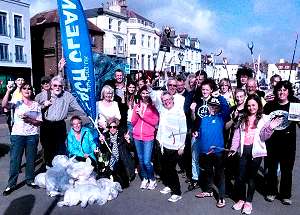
144	184
174	198
166	190
152	185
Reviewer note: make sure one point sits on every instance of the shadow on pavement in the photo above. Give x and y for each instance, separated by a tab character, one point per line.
4	149
52	206
22	205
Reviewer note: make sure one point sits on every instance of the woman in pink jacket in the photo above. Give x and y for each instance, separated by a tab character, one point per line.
144	120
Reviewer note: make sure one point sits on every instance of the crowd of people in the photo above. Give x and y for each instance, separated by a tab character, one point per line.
149	124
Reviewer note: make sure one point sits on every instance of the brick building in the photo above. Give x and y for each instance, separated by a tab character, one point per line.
46	44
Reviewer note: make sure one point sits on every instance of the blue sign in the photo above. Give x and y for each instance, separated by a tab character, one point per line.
78	54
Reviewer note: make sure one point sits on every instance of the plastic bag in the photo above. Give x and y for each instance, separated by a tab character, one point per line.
80	170
60	160
40	180
83	193
109	189
57	181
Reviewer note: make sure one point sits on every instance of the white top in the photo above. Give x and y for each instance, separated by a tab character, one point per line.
106	112
172	129
21	109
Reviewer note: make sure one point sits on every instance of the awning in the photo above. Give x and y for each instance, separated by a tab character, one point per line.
118	37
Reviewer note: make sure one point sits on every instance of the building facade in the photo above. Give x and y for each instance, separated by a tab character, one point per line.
15	48
285	70
112	19
45	35
184	55
143	42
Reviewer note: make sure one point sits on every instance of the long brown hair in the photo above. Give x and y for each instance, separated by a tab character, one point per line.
245	117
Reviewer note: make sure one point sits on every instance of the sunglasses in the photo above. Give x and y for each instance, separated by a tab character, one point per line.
112	126
45	82
172	85
57	85
26	88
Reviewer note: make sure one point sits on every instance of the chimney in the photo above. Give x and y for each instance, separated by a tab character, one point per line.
123	5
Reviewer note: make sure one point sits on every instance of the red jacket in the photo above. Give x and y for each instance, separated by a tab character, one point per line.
144	127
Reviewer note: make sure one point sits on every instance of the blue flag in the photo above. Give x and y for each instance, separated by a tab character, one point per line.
78	54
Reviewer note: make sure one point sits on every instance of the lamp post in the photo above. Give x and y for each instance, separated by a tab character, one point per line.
154	56
180	57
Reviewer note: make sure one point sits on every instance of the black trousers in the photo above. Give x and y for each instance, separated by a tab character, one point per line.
187	156
248	170
213	165
169	172
286	158
53	139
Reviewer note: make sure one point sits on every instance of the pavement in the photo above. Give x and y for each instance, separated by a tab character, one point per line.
132	200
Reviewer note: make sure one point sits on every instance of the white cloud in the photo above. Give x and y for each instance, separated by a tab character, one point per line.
186	17
37	6
258	29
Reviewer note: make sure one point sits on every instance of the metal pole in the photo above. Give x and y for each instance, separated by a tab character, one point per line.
293	57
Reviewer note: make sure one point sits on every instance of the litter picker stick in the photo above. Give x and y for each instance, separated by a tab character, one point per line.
100	134
296	41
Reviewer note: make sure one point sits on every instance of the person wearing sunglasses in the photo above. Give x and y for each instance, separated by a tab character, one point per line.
24	135
120	163
55	112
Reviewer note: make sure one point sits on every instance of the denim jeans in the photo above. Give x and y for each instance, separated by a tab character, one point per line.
195	159
144	152
20	143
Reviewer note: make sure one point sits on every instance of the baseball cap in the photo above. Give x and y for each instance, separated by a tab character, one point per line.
214	101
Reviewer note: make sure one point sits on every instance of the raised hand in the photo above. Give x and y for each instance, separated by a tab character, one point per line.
275	122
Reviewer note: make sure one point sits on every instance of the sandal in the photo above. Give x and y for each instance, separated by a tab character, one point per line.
221	203
204	194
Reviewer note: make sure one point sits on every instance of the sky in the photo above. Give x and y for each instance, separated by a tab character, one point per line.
227	25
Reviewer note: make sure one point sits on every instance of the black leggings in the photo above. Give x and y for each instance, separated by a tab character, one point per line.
248	170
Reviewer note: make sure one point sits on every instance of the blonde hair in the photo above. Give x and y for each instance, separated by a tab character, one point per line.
107	89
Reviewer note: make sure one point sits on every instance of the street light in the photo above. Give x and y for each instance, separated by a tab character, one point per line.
180	57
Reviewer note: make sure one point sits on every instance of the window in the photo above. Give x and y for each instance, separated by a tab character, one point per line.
19	54
109	23
3	52
18	26
143	61
154	43
3	24
133	61
119	26
120	46
142	41
132	39
93	40
149	38
149	60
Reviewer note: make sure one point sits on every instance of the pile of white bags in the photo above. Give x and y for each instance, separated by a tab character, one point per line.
76	181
